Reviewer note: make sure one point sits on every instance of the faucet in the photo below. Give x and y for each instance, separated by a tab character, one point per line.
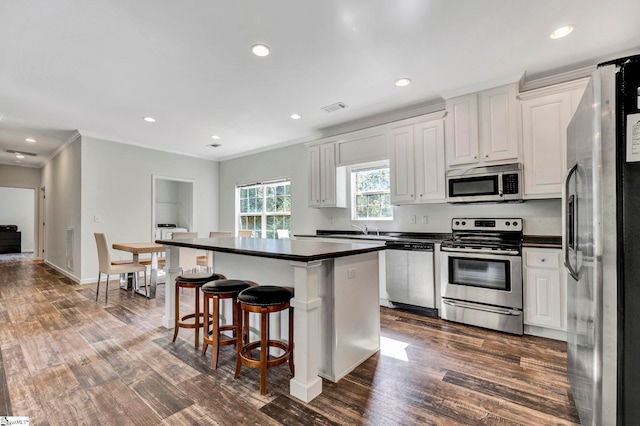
364	230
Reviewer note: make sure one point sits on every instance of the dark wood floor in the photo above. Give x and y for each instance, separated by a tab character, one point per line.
68	360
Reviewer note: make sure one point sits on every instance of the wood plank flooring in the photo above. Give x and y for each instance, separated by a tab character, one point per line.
66	359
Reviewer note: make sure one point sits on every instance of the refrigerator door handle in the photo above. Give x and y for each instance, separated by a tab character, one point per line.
569	205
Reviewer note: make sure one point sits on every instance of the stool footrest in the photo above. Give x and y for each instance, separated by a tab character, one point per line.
249	361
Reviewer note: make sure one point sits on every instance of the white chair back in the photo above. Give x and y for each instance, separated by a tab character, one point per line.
283	233
217	234
188	256
104	257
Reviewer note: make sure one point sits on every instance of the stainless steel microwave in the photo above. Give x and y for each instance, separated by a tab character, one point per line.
485	184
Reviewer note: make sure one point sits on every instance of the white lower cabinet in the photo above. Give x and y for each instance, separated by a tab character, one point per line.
545	293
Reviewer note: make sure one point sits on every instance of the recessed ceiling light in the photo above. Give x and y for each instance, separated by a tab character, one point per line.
19	156
401	82
260	49
561	32
149	119
31	140
216	137
296	116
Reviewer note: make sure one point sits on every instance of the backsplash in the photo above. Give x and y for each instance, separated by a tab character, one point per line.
540	217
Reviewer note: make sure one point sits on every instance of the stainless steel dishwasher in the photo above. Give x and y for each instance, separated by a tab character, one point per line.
410	275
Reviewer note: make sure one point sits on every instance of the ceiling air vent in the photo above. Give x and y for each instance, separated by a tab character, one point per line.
214	145
334	107
13	151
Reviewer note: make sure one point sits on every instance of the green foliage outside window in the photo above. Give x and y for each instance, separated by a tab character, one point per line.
372	199
265	208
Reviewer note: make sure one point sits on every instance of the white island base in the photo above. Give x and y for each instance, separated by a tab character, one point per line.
336	309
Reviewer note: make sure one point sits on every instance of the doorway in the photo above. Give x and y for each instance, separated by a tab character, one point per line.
18	208
172	203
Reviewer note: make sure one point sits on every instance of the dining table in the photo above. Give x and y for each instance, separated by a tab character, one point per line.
143	248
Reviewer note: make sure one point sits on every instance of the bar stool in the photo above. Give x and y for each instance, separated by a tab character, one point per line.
263	299
214	291
195	281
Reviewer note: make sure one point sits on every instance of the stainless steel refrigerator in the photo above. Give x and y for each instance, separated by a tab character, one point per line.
601	244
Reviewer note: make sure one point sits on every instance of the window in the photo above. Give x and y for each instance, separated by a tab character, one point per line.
264	208
370	199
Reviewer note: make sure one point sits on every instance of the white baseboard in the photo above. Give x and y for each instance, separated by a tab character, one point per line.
548	333
63	272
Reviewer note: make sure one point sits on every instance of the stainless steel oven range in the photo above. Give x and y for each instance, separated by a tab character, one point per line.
481	274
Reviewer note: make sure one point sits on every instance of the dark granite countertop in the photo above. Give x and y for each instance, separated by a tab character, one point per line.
294	250
382	236
542	241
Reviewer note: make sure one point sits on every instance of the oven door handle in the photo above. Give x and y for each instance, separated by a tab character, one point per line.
464	250
492	309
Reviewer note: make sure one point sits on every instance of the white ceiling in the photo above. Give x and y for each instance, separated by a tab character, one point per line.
100	66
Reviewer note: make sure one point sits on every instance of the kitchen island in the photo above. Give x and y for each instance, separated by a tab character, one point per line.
336	311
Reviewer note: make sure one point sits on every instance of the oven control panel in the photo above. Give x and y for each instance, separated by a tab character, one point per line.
486	224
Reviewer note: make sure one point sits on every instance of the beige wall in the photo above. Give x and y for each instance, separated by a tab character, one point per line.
61	180
19	177
117	191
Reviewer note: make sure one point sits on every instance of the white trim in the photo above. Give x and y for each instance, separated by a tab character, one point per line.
489	84
71	139
67	273
553	81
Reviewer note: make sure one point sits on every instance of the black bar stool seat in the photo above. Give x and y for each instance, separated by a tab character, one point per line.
263	299
195	319
214	291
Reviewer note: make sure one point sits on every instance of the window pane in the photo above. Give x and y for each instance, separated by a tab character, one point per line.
276	222
372	200
273	198
372	180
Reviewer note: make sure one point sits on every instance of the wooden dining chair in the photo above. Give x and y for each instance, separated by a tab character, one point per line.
244	233
106	266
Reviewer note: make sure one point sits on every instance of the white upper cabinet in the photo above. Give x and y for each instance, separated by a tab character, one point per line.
417	162
401	167
327	183
482	128
546	113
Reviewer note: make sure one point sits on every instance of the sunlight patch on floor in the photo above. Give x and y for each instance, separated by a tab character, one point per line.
394	348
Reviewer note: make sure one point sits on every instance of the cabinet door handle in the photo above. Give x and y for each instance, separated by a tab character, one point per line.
542	260
475	157
486	156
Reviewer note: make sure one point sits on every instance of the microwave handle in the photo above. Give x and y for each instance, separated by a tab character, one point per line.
500	188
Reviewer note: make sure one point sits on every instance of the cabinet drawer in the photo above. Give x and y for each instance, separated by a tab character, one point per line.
542	259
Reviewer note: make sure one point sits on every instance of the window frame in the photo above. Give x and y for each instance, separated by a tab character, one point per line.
375	165
263	213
